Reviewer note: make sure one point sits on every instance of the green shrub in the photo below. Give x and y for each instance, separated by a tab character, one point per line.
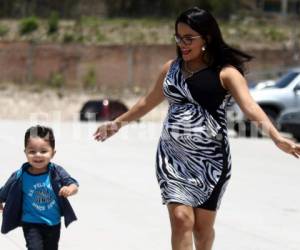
28	25
80	38
3	30
89	21
100	36
56	80
90	80
69	37
274	34
224	9
53	23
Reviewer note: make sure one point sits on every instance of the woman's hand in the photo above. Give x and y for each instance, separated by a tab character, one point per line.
288	146
144	105
106	130
1	207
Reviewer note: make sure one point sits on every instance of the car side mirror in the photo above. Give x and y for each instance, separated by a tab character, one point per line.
297	88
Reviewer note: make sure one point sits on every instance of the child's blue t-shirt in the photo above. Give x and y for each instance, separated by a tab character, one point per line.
40	203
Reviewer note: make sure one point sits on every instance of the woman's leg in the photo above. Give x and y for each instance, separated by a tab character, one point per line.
182	223
204	233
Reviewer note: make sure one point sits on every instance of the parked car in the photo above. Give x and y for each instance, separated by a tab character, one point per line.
102	110
264	84
289	121
274	99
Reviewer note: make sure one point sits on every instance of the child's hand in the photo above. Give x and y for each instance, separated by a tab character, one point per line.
1	207
66	191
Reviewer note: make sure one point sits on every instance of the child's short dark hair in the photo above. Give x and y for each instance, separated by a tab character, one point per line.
42	132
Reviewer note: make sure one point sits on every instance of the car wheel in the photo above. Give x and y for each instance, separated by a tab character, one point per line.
90	111
273	115
246	129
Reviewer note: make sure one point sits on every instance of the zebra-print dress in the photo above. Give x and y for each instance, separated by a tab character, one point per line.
193	160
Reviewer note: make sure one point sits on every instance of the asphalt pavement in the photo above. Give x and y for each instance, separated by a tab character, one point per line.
119	205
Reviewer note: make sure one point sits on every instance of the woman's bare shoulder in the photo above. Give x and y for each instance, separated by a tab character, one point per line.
167	65
230	76
229	71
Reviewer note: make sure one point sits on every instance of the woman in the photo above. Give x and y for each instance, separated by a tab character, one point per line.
193	157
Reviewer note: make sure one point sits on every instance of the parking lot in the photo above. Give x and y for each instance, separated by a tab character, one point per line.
119	206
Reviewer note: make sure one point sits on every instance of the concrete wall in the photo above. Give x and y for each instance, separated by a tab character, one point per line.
113	66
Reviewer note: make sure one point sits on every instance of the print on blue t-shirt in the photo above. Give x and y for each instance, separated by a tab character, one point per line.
39	200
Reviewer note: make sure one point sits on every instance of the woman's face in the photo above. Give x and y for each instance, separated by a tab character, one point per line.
190	42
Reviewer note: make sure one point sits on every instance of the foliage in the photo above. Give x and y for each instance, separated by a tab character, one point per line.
3	30
116	31
168	8
90	79
224	9
28	25
274	34
41	8
53	22
56	80
132	8
69	37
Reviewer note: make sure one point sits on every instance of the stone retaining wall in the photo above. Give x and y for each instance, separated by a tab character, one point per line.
110	66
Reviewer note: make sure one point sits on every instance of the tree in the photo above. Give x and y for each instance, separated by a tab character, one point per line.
224	9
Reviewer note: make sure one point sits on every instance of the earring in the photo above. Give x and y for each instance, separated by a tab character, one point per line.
203	48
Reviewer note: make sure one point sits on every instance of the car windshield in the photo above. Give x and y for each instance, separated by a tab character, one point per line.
286	79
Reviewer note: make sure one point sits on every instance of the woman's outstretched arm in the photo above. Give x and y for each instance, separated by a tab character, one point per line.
233	81
145	104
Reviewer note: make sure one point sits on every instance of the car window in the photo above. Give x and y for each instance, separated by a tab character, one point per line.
286	79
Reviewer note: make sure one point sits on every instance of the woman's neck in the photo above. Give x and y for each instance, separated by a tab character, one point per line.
194	66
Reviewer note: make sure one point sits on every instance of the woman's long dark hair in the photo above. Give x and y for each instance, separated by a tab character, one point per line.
217	54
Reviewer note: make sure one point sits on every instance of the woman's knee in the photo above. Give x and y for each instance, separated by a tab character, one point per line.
182	220
204	234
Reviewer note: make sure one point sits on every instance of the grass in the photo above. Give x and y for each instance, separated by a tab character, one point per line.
241	31
3	30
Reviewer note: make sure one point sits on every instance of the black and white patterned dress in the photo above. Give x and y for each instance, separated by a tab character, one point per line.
193	162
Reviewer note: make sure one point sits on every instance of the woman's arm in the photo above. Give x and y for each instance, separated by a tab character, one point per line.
145	104
233	81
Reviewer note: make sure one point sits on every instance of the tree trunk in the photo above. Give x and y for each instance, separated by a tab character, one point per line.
284	6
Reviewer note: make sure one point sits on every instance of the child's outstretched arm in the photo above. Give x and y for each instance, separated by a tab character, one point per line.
69	184
66	191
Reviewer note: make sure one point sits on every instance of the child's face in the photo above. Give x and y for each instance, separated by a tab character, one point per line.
39	153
